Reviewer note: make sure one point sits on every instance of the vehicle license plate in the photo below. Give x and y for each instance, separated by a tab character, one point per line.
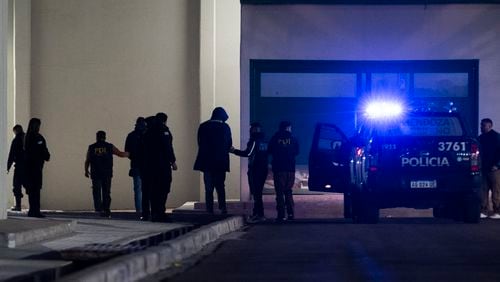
423	184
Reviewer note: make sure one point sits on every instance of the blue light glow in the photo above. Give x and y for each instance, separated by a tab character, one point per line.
383	109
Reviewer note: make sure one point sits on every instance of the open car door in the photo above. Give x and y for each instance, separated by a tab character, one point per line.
329	160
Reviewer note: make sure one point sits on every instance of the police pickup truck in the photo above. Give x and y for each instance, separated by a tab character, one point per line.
397	159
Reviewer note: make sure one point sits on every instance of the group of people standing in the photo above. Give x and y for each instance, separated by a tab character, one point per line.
152	159
283	147
214	146
28	153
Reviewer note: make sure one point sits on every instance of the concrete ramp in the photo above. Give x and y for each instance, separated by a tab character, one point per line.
15	232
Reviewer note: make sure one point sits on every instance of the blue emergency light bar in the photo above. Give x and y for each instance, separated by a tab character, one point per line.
383	109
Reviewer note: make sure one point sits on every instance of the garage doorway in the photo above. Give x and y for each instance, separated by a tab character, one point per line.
306	92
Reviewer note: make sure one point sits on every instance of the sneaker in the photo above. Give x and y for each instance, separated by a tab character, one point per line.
495	216
483	215
16	208
290	217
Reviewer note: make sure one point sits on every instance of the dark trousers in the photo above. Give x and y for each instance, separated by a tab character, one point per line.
101	192
283	184
18	182
146	197
34	201
215	180
137	183
256	179
33	187
159	194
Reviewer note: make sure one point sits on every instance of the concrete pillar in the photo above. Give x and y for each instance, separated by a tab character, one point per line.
220	80
207	65
22	83
4	12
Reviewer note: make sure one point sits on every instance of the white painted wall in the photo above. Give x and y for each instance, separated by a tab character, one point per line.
18	75
406	32
98	64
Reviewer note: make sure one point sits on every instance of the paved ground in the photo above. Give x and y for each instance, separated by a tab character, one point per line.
397	249
43	247
72	242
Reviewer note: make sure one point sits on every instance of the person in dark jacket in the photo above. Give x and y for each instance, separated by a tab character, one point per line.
132	146
256	152
146	185
16	155
214	143
159	161
490	164
36	154
284	147
100	160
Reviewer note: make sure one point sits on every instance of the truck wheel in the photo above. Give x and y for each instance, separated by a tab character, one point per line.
444	210
472	209
439	212
368	211
356	206
348	205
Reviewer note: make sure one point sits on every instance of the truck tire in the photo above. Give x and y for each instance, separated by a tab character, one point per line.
472	208
439	212
445	210
366	209
348	205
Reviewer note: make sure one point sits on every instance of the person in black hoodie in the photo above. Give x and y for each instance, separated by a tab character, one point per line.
256	152
214	143
16	155
132	146
490	165
159	161
36	154
100	160
283	147
146	184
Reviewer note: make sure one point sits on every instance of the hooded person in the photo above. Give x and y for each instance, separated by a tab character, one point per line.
214	144
36	154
